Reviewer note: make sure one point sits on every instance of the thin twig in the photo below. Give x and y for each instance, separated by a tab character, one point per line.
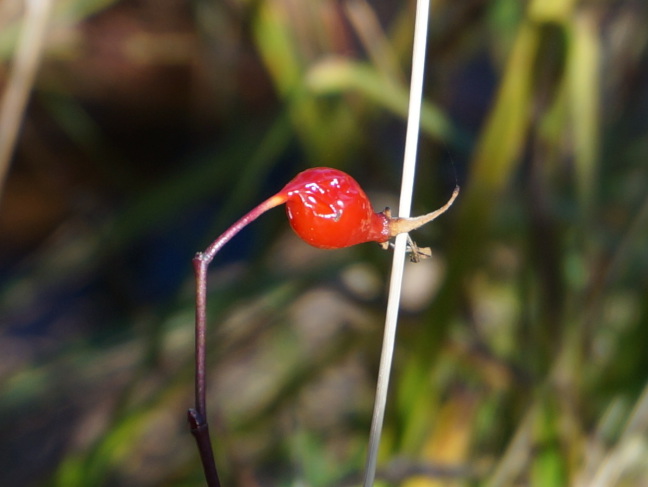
197	416
393	303
21	79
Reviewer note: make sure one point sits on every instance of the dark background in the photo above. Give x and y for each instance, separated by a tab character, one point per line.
153	125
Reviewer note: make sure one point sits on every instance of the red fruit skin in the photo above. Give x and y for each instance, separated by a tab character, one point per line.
328	209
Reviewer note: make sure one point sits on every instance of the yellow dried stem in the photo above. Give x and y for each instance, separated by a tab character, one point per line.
406	225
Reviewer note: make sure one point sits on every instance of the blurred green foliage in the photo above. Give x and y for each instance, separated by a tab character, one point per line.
522	363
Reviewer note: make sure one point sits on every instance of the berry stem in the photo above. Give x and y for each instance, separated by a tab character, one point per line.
406	225
197	416
212	250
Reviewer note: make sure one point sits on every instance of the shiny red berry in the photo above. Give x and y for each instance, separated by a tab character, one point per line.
328	209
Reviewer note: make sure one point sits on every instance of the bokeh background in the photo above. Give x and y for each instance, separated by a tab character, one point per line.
522	352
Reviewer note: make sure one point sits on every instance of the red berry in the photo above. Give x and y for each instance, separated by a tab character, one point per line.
328	209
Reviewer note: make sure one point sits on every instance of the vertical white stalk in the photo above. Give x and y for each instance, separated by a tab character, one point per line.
21	78
395	284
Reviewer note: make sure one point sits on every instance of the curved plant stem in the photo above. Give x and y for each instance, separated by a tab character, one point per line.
197	416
